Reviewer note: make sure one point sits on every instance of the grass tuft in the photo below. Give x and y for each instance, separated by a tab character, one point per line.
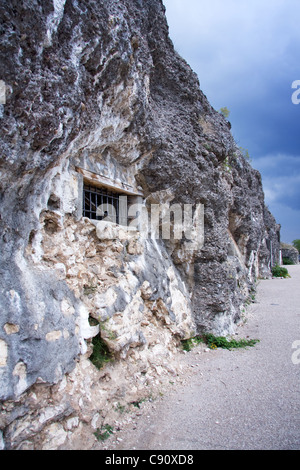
214	342
101	354
104	432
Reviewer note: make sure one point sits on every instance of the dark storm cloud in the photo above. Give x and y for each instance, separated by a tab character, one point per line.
281	178
246	55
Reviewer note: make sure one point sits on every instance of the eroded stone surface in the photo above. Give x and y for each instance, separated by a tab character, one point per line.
96	88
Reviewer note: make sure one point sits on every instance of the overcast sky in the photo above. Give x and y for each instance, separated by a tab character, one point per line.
246	54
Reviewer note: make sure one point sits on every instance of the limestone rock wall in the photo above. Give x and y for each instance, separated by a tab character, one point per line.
97	87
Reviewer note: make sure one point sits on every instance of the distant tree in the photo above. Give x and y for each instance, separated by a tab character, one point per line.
296	244
225	112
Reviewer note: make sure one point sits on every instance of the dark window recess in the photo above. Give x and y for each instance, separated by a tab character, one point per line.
100	203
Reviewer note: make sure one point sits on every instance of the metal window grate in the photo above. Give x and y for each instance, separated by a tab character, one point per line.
100	203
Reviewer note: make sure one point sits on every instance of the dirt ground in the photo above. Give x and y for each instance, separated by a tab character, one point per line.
231	399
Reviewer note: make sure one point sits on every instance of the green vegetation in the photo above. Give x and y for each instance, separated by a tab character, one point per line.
101	354
250	299
189	343
104	432
120	408
245	154
138	403
214	342
231	158
278	271
225	112
296	244
287	261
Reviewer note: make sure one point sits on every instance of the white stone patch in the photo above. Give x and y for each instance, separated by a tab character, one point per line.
105	300
2	92
179	301
60	270
53	21
50	412
36	249
3	353
72	423
86	331
2	444
20	370
53	335
55	437
15	300
67	308
123	328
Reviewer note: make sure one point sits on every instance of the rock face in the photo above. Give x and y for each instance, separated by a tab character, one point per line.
96	94
290	253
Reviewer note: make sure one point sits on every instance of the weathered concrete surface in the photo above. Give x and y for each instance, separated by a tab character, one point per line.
242	399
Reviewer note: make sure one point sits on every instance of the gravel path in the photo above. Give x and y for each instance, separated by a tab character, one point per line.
239	399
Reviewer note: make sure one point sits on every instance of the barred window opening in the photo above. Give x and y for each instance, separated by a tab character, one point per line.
101	203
